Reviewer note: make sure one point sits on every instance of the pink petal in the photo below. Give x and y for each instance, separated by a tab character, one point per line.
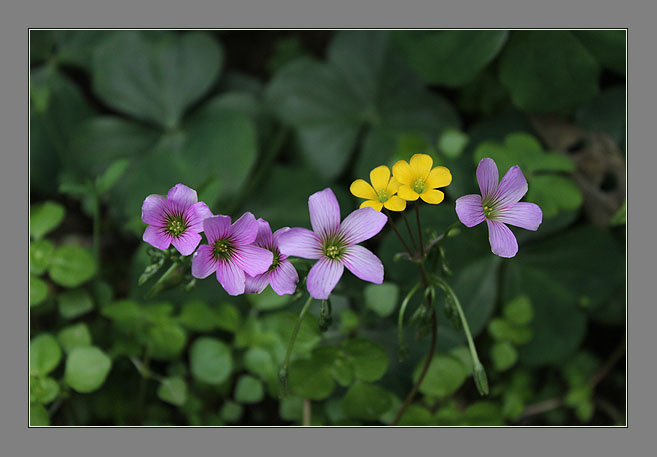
231	277
244	230
300	242
524	215
255	285
362	225
186	242
181	197
203	262
323	277
157	237
469	210
324	212
512	187
252	259
284	278
195	215
264	237
487	177
154	210
277	235
363	264
216	228
502	241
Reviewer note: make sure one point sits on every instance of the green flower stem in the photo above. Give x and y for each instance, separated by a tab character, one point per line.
394	229
307	412
478	368
410	233
282	375
402	310
157	286
96	226
419	226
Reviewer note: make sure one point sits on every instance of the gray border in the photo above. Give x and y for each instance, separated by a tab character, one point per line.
18	440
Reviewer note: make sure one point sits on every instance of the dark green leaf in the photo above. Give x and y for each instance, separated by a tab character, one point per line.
43	389
173	390
38	290
45	354
608	46
268	300
231	411
197	316
519	310
74	303
382	298
166	340
504	355
210	360
606	114
40	255
310	379
86	368
249	390
73	336
365	401
444	376
111	175
369	359
38	415
44	218
71	266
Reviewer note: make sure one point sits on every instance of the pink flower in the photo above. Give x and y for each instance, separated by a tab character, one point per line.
230	252
175	219
335	244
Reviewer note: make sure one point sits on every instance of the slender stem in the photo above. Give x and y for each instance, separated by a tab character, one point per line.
410	233
307	412
394	229
402	311
96	227
419	226
297	326
156	287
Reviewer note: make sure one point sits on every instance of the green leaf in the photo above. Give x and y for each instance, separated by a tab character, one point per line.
369	359
86	368
282	323
482	413
197	316
621	215
231	412
173	390
38	415
71	266
38	290
155	77
43	389
290	408
44	218
260	362
210	360
504	355
228	317
310	379
74	336
40	255
504	331
75	47
450	57
415	416
519	310
365	401
554	194
45	354
606	114
452	142
268	300
382	298
249	390
444	376
608	46
166	340
548	71
74	303
111	175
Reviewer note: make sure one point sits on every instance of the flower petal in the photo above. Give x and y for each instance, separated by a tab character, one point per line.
512	187
407	193
216	228
277	235
323	277
252	259
363	264
439	177
393	186
395	204
523	214
380	177
324	212
181	197
255	285
502	240
432	196
231	277
244	230
154	210
487	177
421	165
186	242
203	262
284	278
300	242
265	237
195	215
469	210
157	237
377	205
362	225
403	172
362	189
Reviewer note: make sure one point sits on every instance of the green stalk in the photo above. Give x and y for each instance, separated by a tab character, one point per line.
156	287
282	374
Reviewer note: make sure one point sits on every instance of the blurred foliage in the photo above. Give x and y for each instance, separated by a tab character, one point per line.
258	121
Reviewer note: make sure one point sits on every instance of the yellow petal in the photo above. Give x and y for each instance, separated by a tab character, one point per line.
377	205
395	204
379	177
439	177
393	186
421	165
403	172
361	189
407	193
432	196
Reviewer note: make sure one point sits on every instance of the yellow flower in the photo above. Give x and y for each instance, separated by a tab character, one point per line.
418	179
382	191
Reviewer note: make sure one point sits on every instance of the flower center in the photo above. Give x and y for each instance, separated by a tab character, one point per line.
489	211
333	249
222	249
277	260
383	195
175	226
419	186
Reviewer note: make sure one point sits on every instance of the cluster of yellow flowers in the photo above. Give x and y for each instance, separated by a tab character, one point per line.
409	182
